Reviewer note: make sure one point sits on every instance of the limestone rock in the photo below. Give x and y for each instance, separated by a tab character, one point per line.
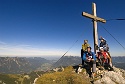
112	77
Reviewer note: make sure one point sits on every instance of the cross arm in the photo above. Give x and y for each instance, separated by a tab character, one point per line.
93	17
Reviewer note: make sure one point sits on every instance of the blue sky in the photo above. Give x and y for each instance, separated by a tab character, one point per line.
50	27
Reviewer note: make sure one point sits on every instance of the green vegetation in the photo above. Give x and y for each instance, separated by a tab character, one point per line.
20	78
68	76
14	79
10	79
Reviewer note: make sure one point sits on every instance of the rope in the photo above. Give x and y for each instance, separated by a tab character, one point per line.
113	37
68	50
116	19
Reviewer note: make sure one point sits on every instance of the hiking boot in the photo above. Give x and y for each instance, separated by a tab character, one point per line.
101	68
111	69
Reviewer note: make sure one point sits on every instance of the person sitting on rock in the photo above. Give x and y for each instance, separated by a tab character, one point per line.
103	44
83	50
104	59
90	59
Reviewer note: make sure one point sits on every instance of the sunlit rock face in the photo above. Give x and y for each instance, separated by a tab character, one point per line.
112	77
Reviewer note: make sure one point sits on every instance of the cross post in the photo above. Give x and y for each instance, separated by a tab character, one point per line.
95	19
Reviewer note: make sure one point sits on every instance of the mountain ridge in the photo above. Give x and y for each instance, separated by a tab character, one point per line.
14	65
17	65
35	76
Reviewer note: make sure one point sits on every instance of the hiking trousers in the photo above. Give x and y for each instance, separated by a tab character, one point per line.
92	64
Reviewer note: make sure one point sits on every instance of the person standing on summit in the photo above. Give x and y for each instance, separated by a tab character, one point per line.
84	49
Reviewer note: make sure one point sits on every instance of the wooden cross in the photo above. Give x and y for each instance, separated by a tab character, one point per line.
94	19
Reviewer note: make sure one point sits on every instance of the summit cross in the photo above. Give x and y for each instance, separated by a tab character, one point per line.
95	19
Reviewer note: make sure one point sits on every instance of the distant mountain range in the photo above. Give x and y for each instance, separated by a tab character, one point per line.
15	65
23	64
118	61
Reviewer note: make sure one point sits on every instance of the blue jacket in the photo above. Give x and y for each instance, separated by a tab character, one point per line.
86	54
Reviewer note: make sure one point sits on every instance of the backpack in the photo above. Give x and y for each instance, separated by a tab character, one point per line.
102	56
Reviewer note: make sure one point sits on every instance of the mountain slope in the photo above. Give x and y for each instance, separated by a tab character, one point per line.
11	65
14	65
69	76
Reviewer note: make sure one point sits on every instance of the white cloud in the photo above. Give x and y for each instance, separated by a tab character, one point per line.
2	43
27	50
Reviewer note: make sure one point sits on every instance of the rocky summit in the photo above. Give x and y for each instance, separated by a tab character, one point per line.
60	76
112	77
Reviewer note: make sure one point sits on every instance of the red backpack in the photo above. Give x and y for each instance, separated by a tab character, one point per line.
103	56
